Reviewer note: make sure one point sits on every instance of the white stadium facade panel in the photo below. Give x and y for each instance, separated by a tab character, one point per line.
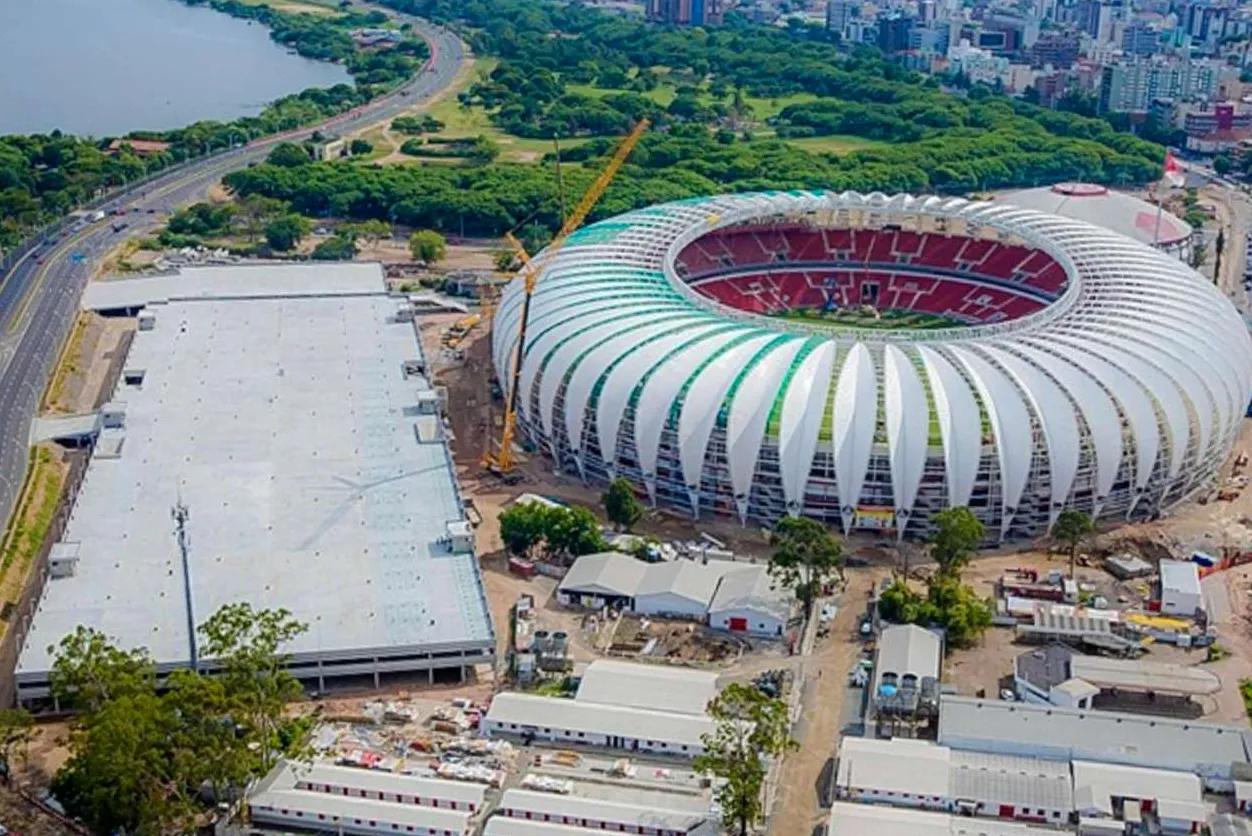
870	360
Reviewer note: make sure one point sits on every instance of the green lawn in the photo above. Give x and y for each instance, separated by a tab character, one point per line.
836	144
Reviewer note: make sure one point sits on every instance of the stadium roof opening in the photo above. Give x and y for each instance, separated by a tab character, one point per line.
284	422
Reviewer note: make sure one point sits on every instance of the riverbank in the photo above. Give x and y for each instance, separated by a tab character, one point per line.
87	166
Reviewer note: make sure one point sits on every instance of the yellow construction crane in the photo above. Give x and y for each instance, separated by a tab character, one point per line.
501	461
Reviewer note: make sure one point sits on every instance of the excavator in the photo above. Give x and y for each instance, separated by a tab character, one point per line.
501	461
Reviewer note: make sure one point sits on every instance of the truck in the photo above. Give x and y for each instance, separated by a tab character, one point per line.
95	216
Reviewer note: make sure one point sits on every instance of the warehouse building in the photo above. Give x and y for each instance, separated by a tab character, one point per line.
1139	796
906	671
265	446
923	775
749	601
1058	675
596	814
506	826
1064	734
600	580
862	819
576	723
363	803
726	595
650	687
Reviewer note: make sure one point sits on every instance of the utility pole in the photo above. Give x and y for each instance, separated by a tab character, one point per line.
181	514
1218	246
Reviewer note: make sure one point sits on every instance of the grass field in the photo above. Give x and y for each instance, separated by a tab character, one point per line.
836	144
888	320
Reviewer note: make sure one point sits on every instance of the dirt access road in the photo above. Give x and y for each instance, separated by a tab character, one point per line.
799	809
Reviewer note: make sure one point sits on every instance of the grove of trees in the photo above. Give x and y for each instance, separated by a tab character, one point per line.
562	531
949	602
153	760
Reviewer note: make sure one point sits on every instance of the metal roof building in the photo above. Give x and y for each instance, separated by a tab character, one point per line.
913	770
749	600
861	819
1096	785
606	575
597	814
665	347
907	654
506	826
651	687
1145	675
281	417
573	722
680	587
1030	787
406	789
336	800
995	726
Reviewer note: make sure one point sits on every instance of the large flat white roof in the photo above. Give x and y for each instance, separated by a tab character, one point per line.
1103	736
905	649
285	426
653	687
242	281
594	718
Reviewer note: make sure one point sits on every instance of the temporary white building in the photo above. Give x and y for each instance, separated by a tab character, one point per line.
650	687
679	588
1180	588
748	601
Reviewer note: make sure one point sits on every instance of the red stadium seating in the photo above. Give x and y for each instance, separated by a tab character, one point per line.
974	280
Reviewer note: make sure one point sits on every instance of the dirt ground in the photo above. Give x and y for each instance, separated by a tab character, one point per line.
78	381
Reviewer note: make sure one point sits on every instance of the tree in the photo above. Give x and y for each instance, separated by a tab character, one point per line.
17	727
204	746
573	532
948	603
1222	164
427	246
621	505
284	232
288	155
505	261
523	526
256	211
805	556
370	231
751	729
120	777
89	671
956	539
336	248
359	147
247	645
1071	528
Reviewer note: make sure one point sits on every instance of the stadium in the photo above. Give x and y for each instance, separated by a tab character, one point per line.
869	361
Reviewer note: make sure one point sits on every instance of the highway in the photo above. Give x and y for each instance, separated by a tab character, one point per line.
39	296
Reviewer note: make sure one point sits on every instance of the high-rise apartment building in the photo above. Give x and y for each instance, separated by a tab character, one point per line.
685	12
1131	85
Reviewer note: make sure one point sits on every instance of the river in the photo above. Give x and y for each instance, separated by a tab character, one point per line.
105	67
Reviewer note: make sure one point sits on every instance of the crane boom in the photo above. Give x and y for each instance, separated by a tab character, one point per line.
501	461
